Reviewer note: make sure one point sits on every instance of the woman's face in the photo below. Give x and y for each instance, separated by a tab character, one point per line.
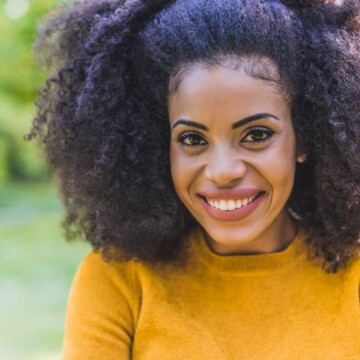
233	156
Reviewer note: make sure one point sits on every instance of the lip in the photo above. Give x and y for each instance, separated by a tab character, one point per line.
233	215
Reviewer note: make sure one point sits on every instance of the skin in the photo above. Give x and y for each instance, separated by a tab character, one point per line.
259	154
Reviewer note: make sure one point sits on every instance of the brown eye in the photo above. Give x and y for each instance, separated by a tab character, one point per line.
258	135
191	139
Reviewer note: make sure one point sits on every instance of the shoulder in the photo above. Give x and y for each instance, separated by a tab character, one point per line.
102	309
109	278
94	266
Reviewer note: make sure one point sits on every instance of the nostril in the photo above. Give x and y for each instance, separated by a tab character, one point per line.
225	175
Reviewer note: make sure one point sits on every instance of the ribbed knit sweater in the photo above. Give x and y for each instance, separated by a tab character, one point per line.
268	306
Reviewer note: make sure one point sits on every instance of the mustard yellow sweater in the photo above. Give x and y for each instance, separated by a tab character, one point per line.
269	306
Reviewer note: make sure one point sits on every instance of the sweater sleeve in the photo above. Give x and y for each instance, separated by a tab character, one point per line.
100	315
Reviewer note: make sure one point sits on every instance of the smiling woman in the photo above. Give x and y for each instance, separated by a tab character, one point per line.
223	168
209	152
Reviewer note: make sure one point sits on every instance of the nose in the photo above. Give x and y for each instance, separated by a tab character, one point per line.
225	166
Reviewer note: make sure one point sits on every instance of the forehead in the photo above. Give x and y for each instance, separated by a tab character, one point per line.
221	92
259	67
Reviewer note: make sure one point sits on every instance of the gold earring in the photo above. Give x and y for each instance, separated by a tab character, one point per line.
301	158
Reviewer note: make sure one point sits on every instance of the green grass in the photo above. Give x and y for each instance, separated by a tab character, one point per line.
36	268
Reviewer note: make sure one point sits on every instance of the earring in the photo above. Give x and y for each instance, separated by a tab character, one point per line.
293	214
301	158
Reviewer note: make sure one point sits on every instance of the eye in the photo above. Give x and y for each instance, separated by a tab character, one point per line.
257	135
191	139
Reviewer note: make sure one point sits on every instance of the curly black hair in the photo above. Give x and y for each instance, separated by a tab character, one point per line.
103	116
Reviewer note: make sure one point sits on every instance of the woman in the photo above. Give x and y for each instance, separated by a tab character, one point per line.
209	152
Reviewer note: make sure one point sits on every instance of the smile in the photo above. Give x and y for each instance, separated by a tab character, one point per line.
232	204
233	207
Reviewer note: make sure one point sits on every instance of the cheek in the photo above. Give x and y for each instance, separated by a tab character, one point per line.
175	163
278	167
284	167
179	170
185	170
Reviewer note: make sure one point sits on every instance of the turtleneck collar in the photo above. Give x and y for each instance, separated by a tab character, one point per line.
269	262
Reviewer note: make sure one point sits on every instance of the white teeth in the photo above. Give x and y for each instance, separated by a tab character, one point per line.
223	205
230	205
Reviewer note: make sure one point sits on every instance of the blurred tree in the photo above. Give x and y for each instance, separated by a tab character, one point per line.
20	77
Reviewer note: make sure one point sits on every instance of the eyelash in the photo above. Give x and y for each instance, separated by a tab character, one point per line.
269	133
186	135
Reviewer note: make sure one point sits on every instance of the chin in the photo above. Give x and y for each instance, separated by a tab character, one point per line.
227	240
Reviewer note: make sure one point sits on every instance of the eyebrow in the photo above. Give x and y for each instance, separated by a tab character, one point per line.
235	125
252	118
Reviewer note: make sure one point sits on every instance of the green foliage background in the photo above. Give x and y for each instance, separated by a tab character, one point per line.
20	77
36	264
